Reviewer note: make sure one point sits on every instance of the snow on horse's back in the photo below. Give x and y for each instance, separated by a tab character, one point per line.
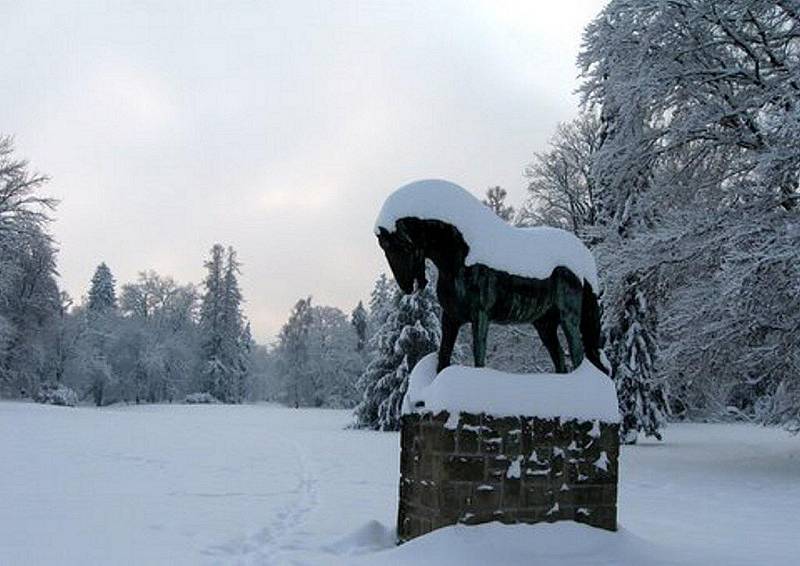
528	252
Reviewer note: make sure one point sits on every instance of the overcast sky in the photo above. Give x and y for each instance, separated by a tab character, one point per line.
274	127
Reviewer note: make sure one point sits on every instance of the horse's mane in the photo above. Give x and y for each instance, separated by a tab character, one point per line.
528	252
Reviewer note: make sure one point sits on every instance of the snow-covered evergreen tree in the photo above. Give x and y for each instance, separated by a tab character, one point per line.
222	326
642	399
236	335
245	364
381	303
358	319
102	292
100	334
410	331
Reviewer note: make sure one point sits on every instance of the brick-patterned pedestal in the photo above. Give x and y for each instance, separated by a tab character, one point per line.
513	470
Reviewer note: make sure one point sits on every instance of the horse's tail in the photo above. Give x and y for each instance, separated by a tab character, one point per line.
590	327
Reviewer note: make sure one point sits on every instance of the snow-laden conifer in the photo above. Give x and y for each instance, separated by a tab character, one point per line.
358	319
102	295
225	346
410	331
633	354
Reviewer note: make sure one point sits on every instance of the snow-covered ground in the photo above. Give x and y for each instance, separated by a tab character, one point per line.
268	485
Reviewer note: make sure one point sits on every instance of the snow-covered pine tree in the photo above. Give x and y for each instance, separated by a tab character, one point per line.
382	300
213	372
101	329
236	342
411	330
222	325
359	321
633	354
245	364
102	293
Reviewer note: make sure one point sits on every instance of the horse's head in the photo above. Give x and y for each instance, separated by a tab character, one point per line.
406	260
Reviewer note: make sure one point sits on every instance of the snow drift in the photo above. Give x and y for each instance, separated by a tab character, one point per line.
585	393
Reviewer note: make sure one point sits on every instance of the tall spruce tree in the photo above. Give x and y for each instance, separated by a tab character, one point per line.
382	300
410	331
101	327
222	323
359	321
246	363
237	333
633	354
102	293
213	373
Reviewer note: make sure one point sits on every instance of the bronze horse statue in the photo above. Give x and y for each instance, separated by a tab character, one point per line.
418	222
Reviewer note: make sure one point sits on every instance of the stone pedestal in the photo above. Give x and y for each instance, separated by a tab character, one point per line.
474	468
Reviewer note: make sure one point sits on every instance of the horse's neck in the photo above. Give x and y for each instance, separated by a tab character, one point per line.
443	244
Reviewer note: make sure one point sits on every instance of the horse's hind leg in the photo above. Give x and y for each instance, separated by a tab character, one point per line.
547	327
480	332
571	325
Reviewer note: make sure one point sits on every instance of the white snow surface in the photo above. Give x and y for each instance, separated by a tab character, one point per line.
585	393
528	252
260	484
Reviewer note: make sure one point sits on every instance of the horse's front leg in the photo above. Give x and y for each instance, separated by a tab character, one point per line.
547	327
450	328
480	331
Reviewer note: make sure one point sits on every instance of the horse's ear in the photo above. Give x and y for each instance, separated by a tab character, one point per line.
383	237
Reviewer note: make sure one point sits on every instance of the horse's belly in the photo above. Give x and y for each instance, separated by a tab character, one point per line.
519	308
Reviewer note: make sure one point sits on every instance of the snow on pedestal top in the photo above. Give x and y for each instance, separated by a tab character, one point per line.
528	252
585	393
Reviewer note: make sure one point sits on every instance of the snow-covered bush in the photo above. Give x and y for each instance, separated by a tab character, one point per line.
56	394
200	399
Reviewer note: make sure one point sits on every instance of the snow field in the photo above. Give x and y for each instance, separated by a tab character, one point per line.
259	484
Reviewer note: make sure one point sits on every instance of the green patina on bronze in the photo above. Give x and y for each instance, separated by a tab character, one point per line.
478	294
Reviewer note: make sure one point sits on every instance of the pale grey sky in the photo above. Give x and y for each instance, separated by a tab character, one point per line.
274	127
